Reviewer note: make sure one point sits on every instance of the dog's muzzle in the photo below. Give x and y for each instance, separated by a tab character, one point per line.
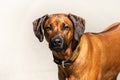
57	43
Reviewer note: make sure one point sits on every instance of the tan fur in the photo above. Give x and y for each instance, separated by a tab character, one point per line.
56	21
99	56
99	53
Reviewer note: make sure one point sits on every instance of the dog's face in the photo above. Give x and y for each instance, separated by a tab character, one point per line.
59	30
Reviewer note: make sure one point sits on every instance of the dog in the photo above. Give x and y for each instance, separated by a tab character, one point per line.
79	55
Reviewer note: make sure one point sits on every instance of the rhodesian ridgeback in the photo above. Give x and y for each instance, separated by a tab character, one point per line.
79	55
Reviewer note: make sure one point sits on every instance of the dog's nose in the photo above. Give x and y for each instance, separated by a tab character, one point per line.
57	41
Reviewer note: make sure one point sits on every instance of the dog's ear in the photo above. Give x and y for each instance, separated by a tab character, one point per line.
79	25
38	27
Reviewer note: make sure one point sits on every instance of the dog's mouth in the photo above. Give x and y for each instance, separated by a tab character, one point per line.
57	48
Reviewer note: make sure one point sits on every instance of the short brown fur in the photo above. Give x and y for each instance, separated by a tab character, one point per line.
99	53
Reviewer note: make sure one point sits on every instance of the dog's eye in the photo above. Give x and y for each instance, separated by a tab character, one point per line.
48	28
66	27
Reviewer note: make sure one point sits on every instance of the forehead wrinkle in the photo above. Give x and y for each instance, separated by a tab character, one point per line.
69	22
53	20
57	20
64	19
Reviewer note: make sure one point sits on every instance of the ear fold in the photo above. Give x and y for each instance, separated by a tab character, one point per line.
79	25
38	27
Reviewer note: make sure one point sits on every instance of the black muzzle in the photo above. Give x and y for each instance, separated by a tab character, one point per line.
57	43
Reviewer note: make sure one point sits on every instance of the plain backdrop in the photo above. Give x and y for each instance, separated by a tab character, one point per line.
22	56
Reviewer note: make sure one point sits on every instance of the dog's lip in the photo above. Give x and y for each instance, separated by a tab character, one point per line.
57	49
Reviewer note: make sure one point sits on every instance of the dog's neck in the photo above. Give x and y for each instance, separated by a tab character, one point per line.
80	64
66	57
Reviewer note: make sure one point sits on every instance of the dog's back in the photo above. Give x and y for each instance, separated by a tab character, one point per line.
105	49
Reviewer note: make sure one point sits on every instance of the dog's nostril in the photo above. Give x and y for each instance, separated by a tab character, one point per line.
57	41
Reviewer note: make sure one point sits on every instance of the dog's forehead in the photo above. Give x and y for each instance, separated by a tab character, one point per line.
58	18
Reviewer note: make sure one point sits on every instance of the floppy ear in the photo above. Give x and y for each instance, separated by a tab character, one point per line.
79	25
38	27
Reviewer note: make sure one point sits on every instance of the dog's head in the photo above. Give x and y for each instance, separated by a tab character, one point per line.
59	30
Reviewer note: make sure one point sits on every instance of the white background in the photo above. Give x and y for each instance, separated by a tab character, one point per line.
22	56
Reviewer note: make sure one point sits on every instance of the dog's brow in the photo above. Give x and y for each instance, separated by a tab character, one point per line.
50	24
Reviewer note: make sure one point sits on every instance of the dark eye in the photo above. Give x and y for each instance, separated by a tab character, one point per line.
48	28
66	27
